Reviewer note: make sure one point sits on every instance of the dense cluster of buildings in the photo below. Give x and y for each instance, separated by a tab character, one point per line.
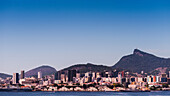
89	81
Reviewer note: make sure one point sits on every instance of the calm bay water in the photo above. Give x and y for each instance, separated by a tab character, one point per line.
158	93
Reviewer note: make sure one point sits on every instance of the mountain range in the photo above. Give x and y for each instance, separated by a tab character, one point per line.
136	62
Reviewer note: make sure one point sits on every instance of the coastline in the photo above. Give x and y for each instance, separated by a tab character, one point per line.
29	90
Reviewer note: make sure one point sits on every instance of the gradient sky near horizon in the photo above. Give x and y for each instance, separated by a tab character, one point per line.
61	33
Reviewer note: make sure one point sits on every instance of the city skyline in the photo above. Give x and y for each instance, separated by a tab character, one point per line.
63	33
135	52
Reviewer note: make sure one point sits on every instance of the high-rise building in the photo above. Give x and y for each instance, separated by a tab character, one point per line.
157	79
39	74
22	76
164	80
71	74
15	78
132	79
154	78
63	77
120	77
150	78
123	73
94	74
57	76
98	75
147	78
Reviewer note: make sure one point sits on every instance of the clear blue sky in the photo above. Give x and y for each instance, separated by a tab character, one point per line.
66	32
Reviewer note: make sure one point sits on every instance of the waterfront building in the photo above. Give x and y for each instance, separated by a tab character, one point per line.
39	74
157	79
120	78
123	80
71	74
132	79
87	74
86	79
63	77
107	74
128	80
114	80
22	76
127	74
163	77
123	73
133	86
168	80
57	81
98	79
103	74
151	78
154	78
98	75
163	80
140	79
136	79
15	78
94	75
147	78
57	76
77	75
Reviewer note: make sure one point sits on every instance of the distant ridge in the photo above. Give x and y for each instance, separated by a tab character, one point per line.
4	76
142	61
46	70
82	68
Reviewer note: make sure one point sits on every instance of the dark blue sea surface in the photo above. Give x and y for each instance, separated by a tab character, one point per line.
156	93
